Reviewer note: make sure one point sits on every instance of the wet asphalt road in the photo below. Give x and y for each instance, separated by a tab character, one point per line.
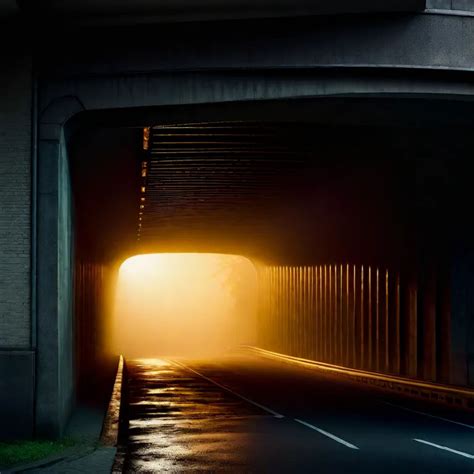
181	418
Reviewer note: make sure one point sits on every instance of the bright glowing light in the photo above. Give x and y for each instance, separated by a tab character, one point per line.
190	304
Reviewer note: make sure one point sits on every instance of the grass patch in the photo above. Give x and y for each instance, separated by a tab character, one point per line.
17	452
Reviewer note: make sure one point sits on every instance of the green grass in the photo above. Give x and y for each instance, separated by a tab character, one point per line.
17	452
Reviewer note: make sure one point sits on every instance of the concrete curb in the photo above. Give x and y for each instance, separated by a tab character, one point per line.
109	435
445	394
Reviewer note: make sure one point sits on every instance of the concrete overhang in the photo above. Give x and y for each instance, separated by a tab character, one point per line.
128	11
8	8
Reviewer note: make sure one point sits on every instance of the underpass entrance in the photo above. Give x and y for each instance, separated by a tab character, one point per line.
190	304
297	186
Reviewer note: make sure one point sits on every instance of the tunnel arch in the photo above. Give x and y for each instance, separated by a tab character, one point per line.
241	110
65	118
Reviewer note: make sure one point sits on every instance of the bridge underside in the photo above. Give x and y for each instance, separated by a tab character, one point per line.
354	218
347	208
344	180
280	181
147	11
348	216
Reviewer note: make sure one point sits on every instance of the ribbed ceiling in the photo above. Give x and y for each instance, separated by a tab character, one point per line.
224	175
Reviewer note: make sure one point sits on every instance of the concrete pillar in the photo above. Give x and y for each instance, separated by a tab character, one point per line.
55	391
55	371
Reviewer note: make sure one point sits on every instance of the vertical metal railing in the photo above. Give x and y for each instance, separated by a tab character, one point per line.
89	320
359	316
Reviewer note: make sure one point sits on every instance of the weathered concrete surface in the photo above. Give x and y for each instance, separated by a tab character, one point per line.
55	371
16	358
8	8
456	5
17	377
378	42
144	11
15	199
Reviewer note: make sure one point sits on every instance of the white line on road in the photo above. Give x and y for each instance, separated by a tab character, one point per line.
444	448
429	415
263	407
325	433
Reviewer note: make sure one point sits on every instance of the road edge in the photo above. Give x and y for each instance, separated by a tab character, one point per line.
445	394
109	434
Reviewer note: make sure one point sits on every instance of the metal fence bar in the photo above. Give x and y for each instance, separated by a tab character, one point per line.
359	316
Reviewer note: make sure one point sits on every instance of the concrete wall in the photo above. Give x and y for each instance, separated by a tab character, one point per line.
17	372
457	5
15	189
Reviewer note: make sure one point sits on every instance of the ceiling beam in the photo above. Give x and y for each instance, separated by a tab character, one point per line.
155	11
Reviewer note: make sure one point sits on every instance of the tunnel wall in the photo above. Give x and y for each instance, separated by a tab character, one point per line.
91	281
363	317
462	308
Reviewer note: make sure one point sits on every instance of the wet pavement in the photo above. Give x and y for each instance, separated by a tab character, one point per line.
244	414
180	422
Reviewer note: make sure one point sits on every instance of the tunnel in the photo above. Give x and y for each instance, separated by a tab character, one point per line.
346	207
350	214
238	237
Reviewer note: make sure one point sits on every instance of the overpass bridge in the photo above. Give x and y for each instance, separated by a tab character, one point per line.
329	142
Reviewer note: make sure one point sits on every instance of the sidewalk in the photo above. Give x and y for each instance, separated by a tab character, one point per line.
85	456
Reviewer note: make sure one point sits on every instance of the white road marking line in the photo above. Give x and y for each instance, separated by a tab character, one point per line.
429	415
445	448
263	407
325	433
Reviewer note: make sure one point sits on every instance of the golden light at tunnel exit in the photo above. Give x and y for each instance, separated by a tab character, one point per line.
184	304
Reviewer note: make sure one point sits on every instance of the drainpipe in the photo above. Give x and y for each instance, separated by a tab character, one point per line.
34	185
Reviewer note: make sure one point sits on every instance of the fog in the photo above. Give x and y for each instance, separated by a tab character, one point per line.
184	304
